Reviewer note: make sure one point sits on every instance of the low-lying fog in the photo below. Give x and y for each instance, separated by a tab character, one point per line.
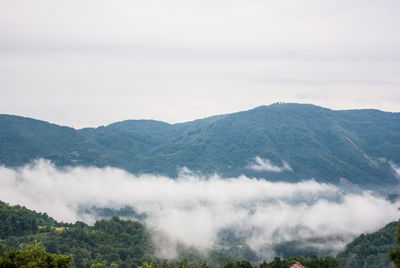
192	209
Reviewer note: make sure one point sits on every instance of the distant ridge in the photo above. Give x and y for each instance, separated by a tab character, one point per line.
360	146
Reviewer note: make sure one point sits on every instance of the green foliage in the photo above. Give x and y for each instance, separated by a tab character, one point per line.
98	265
370	250
183	264
113	242
108	242
314	262
394	254
24	139
308	248
320	143
34	255
17	220
152	264
277	262
238	264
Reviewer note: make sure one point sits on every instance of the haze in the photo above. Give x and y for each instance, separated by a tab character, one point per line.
88	63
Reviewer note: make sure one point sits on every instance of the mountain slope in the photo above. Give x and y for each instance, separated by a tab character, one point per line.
110	241
19	221
370	250
358	145
23	139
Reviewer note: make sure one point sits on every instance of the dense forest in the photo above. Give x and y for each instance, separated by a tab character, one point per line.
113	241
117	242
370	250
358	145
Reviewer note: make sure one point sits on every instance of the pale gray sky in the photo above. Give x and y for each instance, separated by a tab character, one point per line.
89	63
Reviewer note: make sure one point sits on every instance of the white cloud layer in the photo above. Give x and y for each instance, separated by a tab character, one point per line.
261	164
192	209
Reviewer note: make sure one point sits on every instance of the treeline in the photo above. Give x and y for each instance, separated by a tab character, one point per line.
25	234
19	221
35	255
113	242
277	262
370	250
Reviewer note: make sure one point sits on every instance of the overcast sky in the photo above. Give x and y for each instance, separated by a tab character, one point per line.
89	63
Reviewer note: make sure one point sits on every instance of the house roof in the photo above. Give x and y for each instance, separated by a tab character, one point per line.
297	265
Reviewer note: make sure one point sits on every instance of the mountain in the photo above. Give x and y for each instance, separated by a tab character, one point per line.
286	142
370	250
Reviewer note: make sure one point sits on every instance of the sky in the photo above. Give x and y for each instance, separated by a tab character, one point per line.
92	62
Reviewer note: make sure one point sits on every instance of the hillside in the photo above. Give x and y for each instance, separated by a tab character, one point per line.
19	221
126	243
121	243
108	241
370	250
328	145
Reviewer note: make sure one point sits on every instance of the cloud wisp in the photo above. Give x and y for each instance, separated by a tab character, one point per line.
193	209
396	169
260	164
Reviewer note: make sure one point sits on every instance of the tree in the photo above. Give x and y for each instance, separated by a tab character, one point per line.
34	255
238	264
394	254
152	264
98	265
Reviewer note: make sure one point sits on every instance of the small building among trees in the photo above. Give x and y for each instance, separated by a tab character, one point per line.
297	265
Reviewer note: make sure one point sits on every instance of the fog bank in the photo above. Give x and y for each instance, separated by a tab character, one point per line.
192	209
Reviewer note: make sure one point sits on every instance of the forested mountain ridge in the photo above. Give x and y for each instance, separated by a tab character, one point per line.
357	145
370	250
